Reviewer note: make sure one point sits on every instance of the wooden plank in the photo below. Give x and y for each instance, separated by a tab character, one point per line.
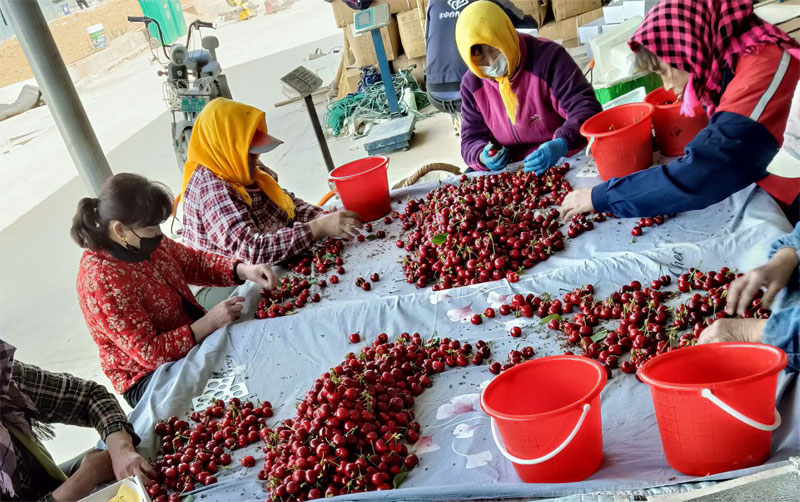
321	90
791	25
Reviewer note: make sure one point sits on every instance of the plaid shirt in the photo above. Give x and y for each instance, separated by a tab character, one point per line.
62	398
217	220
67	399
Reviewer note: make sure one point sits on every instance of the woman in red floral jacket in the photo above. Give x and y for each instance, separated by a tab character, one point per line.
133	284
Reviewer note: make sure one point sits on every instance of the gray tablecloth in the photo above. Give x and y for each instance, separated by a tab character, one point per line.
279	359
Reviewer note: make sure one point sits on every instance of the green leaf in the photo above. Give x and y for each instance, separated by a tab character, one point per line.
439	239
187	498
549	318
399	479
600	335
372	237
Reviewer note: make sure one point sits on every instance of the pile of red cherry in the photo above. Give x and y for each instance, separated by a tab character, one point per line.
647	325
192	454
485	228
294	291
352	428
647	222
515	357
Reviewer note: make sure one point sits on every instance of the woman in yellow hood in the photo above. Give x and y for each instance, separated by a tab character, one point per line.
523	98
233	205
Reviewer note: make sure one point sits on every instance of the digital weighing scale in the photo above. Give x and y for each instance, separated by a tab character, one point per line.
394	134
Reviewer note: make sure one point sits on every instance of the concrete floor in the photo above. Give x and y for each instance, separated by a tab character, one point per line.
39	310
122	100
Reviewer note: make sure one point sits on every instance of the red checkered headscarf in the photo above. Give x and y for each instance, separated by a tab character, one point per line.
701	37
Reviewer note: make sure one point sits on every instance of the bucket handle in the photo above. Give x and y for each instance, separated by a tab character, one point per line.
589	147
545	458
706	393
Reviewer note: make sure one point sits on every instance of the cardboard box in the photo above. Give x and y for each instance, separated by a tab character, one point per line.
564	9
363	50
588	31
402	62
344	14
568	28
537	9
614	13
352	78
412	33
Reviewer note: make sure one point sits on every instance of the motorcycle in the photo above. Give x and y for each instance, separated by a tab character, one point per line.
194	78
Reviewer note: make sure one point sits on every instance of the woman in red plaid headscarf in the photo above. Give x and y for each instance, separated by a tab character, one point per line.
744	72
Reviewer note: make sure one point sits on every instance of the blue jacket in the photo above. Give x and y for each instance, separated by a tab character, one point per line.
443	64
783	327
731	153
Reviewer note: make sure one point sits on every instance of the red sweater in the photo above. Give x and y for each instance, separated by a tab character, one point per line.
134	310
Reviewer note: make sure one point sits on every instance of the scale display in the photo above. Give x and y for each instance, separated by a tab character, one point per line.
371	19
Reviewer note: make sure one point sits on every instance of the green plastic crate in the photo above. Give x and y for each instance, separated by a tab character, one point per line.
650	82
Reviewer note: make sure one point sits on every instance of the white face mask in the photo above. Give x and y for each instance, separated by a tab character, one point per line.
499	67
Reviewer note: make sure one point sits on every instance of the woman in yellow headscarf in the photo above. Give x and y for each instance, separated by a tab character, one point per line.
235	208
523	98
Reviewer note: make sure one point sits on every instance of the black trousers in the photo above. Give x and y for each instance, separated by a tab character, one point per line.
135	393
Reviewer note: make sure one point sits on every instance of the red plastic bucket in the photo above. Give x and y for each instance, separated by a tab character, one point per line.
620	139
363	186
547	412
673	130
715	404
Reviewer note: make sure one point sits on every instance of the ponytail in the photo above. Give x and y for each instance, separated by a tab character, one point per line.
86	229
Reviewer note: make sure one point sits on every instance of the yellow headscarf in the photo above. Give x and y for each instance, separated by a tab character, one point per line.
486	23
221	142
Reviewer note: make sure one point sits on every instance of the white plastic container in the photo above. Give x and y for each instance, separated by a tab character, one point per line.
614	12
634	8
110	492
590	30
606	58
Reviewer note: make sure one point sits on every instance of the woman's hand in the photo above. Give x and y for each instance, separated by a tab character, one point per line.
773	275
262	274
336	224
733	330
220	315
125	460
495	159
548	153
576	202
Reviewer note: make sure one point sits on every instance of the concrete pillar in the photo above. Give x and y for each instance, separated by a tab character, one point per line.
51	74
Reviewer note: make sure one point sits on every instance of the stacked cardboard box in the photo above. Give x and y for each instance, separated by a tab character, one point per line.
537	9
412	32
562	22
364	50
343	15
565	9
566	30
403	39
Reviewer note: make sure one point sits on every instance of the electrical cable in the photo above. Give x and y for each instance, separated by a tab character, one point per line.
370	104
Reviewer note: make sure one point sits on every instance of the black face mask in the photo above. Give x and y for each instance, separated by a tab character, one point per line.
146	244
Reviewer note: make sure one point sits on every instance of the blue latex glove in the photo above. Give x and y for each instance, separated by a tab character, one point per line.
496	163
541	159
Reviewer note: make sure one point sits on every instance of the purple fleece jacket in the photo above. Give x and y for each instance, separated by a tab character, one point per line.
554	100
